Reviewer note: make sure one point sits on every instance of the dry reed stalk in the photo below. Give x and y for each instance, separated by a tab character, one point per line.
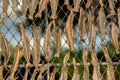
25	44
114	37
76	5
1	72
88	4
54	5
76	73
5	7
57	38
42	70
32	8
52	75
118	15
112	6
14	6
101	22
36	46
5	49
64	70
85	63
91	31
17	55
42	6
69	30
47	42
24	8
109	64
96	67
66	2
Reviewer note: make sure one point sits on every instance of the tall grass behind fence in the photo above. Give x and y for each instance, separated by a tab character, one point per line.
59	40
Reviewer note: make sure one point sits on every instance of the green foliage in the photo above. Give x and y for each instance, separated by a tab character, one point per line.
78	57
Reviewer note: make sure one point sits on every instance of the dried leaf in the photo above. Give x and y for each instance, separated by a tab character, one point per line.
114	37
64	70
1	72
68	5
34	74
81	15
88	4
69	30
14	6
5	49
40	77
42	69
24	8
89	25
42	6
85	63
47	42
64	67
32	7
81	23
76	5
36	46
1	20
118	15
17	56
35	50
111	6
110	71
54	5
91	31
57	38
101	22
26	73
96	67
76	73
83	28
101	3
5	7
52	75
25	43
58	44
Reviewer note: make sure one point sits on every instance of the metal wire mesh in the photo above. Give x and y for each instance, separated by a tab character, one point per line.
70	43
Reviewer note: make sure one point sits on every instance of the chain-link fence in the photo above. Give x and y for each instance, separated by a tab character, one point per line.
60	39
